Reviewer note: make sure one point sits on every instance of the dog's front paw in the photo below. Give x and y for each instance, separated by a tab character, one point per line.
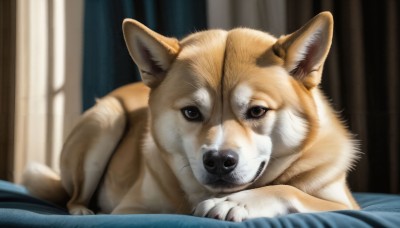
244	205
222	209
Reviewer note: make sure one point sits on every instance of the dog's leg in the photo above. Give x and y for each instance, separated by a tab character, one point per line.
268	201
87	151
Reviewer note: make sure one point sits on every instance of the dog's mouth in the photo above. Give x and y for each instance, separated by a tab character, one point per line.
229	183
259	171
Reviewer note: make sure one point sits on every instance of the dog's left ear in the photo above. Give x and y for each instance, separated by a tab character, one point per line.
153	53
304	51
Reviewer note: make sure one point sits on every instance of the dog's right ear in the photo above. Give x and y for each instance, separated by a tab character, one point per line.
304	51
152	52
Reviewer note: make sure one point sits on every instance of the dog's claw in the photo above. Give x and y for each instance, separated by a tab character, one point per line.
237	214
80	210
202	210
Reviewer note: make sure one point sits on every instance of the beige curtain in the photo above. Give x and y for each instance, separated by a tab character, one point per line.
362	79
48	79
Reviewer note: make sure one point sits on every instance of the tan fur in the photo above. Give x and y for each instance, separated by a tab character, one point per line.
135	152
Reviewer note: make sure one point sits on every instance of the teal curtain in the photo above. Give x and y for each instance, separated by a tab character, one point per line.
106	61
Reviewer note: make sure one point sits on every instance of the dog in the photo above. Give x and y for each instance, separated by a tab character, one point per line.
229	125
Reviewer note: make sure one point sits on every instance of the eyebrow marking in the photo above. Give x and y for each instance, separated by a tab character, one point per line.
242	96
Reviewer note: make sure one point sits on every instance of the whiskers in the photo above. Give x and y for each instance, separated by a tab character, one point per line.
187	163
184	167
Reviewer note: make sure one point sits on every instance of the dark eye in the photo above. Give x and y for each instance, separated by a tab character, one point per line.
256	112
192	113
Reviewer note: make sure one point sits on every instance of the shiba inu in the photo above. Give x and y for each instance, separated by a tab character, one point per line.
230	125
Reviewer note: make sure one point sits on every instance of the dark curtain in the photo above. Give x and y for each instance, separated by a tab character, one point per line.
7	86
107	64
362	78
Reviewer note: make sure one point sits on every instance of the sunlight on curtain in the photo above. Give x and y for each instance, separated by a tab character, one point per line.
48	97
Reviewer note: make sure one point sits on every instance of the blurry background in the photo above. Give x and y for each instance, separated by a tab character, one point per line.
57	56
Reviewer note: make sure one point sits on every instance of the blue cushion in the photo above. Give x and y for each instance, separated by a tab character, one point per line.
18	209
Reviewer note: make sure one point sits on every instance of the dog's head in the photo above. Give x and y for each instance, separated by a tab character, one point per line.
224	104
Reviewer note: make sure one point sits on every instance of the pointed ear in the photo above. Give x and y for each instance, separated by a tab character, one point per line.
152	52
304	51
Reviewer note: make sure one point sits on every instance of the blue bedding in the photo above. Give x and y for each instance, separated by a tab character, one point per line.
18	209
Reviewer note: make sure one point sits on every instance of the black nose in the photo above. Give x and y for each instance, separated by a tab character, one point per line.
220	162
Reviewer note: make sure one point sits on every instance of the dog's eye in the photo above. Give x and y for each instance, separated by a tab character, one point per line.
256	112
192	113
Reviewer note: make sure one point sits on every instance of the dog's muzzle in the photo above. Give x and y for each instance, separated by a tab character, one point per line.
220	166
220	163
